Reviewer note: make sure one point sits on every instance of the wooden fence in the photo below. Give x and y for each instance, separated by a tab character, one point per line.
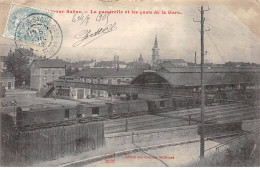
24	148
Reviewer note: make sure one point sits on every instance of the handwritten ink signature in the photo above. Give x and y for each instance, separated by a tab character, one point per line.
82	36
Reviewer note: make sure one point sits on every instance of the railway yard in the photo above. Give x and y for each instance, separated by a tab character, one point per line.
232	112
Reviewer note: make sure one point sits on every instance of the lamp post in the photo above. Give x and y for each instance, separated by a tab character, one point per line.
14	103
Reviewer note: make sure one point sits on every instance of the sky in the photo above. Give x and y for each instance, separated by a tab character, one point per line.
234	34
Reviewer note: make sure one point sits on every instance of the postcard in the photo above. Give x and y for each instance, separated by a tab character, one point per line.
129	83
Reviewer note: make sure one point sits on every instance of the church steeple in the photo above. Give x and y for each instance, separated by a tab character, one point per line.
155	42
155	50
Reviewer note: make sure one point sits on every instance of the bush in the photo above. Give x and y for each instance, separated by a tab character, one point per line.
2	91
243	152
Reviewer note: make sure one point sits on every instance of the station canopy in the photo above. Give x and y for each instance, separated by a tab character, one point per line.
192	78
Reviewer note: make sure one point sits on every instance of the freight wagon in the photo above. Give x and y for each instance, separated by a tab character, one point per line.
61	113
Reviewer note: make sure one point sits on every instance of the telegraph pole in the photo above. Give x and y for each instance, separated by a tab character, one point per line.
195	62
202	125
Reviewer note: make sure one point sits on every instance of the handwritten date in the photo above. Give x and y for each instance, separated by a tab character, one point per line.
82	19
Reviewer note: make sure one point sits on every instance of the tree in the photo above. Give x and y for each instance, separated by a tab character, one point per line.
70	71
76	70
2	91
18	65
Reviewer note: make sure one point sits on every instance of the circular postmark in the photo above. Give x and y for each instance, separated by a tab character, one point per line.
38	34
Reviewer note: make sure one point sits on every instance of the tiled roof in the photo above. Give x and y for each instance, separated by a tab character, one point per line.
50	63
6	74
108	72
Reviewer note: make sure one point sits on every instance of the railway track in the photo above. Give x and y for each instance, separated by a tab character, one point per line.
213	114
163	119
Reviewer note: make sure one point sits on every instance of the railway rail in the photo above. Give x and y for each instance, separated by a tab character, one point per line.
214	114
160	119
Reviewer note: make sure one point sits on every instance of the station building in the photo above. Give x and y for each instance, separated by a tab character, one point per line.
43	71
110	76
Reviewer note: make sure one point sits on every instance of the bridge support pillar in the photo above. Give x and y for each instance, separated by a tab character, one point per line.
84	94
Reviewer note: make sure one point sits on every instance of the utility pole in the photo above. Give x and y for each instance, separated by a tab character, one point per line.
195	62
64	91
202	125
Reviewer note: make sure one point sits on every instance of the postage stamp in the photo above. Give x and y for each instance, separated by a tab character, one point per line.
40	33
16	14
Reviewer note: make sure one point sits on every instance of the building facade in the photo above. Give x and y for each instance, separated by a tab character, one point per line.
7	79
111	76
111	64
43	71
172	62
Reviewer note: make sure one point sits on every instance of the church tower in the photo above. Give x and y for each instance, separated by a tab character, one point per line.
140	59
116	61
155	50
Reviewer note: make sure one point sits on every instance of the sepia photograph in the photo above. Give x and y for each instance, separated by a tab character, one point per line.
130	83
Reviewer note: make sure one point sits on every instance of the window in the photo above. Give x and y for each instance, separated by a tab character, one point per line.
162	104
67	113
46	72
52	72
60	72
9	85
118	81
95	111
127	81
109	81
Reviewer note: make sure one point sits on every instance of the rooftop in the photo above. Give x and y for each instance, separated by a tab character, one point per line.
177	79
50	63
216	69
137	65
172	60
109	64
6	74
108	72
3	58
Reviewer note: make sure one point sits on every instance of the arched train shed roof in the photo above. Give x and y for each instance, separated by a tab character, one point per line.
180	79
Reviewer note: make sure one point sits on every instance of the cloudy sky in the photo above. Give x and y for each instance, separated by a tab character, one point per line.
234	31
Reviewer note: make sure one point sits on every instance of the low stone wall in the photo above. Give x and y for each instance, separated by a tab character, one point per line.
249	125
149	135
123	138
